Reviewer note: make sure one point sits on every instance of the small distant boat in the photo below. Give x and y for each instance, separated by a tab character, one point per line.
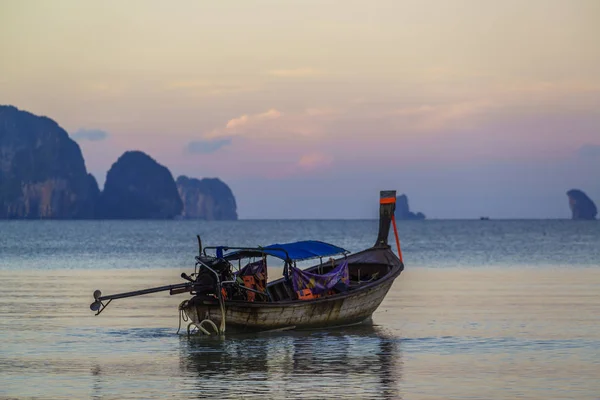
484	218
239	298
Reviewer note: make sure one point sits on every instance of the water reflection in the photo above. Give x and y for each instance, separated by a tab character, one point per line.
358	362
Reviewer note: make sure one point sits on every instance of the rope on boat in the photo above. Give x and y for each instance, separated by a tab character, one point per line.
211	323
201	327
182	314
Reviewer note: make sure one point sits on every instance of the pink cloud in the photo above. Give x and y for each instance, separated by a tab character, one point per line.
239	121
274	124
274	144
246	119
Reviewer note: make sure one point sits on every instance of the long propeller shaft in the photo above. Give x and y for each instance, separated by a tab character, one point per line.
143	291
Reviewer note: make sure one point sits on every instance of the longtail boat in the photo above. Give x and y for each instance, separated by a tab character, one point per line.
336	292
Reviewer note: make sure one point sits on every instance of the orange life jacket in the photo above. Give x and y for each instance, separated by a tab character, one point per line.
307	294
250	282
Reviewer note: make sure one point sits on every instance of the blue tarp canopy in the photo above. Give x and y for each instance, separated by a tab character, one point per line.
294	251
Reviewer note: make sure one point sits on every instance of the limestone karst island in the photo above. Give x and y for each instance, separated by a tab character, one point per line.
43	175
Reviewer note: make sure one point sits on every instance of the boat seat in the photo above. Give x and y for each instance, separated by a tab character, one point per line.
279	292
368	272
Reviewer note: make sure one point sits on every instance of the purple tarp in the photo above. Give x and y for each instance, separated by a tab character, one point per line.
258	268
320	284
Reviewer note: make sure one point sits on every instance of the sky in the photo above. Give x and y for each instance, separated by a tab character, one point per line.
306	109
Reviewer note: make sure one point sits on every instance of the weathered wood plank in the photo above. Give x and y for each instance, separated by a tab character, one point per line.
350	308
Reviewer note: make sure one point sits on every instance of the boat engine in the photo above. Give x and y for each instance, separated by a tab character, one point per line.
206	284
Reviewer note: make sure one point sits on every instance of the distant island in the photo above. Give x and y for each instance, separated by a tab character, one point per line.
137	187
582	207
43	176
208	198
403	210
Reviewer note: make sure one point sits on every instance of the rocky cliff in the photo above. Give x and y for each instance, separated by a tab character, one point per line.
137	187
208	199
582	207
403	210
42	172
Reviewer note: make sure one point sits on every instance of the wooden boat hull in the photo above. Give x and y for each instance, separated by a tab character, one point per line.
334	311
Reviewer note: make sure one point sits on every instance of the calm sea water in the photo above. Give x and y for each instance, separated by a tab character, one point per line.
151	244
484	309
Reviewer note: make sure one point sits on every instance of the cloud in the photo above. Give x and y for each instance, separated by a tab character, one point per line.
295	73
286	143
93	135
589	152
244	125
246	119
207	146
309	123
312	161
